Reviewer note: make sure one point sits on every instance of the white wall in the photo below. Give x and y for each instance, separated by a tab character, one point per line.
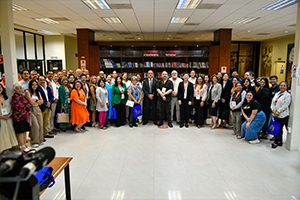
279	49
55	47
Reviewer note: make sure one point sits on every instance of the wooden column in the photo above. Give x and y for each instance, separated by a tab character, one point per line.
85	38
214	51
223	37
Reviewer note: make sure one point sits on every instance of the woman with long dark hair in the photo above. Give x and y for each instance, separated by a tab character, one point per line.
7	133
254	119
280	109
214	96
79	113
225	98
200	94
263	98
35	99
102	102
247	86
64	101
207	84
119	97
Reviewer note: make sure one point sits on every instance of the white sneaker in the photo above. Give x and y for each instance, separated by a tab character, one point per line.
254	141
35	146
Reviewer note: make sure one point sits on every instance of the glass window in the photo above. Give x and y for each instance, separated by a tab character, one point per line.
39	47
246	49
20	53
30	48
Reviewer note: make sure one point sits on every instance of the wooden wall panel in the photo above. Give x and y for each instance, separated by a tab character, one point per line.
223	36
94	65
214	51
84	38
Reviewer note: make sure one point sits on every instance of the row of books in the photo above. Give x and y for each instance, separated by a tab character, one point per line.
108	63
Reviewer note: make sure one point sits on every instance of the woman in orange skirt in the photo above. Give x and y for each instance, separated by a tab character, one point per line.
79	113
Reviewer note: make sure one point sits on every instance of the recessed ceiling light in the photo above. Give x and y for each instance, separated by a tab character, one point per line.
16	7
280	4
249	31
96	4
110	38
139	38
197	38
188	4
168	38
46	20
48	32
246	20
179	20
286	31
112	20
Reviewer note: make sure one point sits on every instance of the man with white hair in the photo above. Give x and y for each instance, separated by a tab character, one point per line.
164	89
78	74
175	80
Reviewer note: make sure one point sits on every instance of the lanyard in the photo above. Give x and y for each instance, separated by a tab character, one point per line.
185	86
121	89
277	99
236	96
163	82
2	102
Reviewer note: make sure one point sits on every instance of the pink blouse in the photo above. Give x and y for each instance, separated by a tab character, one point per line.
202	92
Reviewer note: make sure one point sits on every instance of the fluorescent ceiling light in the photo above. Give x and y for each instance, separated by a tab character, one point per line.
16	7
246	20
48	32
46	20
280	4
96	4
188	4
112	20
179	20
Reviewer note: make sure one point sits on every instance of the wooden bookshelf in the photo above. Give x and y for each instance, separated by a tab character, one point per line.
182	57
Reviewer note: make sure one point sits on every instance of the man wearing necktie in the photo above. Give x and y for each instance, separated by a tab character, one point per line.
150	97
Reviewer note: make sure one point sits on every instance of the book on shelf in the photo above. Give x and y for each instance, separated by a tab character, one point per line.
199	65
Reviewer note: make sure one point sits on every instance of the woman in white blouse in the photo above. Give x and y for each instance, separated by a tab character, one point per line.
200	94
280	109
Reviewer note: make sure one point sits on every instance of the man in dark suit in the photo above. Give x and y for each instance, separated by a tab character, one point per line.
150	97
48	99
185	98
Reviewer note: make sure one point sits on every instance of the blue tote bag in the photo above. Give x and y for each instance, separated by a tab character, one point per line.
137	111
274	127
44	177
113	113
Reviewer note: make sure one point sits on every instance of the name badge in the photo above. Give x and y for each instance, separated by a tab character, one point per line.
122	96
106	100
185	94
198	96
4	111
163	90
233	104
69	100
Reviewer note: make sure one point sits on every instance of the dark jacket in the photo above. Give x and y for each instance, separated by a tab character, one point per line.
50	98
250	88
190	91
146	88
226	91
263	98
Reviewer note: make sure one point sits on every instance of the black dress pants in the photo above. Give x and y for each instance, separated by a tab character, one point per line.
162	105
185	110
282	121
120	108
147	105
200	112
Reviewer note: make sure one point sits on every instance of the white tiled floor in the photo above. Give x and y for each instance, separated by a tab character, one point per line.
148	163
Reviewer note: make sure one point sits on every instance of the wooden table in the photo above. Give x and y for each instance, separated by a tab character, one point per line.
59	164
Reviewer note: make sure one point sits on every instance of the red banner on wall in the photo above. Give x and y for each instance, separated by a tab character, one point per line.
1	58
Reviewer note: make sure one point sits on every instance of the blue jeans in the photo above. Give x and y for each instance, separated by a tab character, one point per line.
255	126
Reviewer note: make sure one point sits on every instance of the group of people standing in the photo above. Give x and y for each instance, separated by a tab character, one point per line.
248	104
